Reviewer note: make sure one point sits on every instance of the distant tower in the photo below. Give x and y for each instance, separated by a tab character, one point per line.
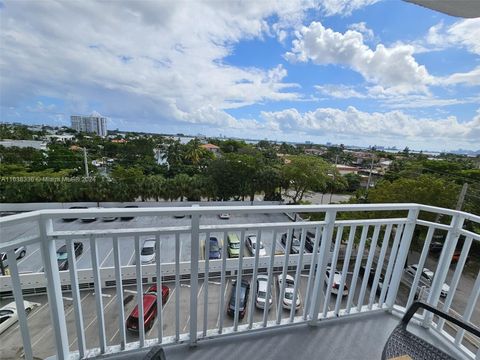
95	123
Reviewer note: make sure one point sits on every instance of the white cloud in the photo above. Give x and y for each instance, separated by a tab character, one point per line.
149	60
344	7
362	28
464	33
385	126
339	91
471	78
394	68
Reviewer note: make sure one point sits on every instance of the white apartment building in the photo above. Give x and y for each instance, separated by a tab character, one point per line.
95	123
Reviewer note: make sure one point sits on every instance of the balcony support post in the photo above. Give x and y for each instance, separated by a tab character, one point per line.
441	272
194	257
402	254
54	289
323	256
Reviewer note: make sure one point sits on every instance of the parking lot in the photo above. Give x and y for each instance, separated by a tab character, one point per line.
32	262
41	331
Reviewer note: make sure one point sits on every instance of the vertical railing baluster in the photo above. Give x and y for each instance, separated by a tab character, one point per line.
313	263
72	267
205	283
97	281
381	259
318	295
401	257
158	274
471	303
288	244
239	282
21	313
177	287
421	264
391	262
194	259
119	289
297	274
346	263
138	272
356	269
333	267
221	307
270	279
254	279
368	266
54	289
456	278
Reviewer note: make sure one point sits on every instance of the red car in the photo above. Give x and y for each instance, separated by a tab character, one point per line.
149	308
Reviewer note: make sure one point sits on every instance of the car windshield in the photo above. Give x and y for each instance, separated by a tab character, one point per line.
147	251
62	256
214	246
235	245
262	294
254	246
289	295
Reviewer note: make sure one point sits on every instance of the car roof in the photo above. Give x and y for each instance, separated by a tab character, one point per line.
233	237
62	249
148	301
149	243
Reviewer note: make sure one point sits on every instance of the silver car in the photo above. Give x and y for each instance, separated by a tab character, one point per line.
261	295
147	255
253	244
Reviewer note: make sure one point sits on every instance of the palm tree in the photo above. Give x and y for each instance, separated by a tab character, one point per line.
193	151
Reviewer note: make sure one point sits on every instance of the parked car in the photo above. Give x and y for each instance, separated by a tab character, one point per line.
289	281
371	277
295	243
129	217
147	254
215	248
224	216
149	309
261	295
70	219
88	219
426	278
337	278
243	299
109	218
310	241
233	245
287	299
253	244
62	257
436	247
9	314
19	253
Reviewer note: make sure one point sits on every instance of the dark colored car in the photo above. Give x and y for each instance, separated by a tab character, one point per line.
214	249
436	247
295	243
371	277
62	257
149	309
70	219
243	299
310	241
127	218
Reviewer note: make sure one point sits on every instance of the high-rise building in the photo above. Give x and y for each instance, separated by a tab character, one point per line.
95	123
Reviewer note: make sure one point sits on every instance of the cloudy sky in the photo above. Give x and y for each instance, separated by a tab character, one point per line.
359	72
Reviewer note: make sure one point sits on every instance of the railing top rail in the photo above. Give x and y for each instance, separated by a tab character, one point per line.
58	213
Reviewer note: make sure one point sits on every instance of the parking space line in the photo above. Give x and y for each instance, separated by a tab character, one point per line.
131	258
31	315
51	329
26	257
188	319
106	257
224	296
94	319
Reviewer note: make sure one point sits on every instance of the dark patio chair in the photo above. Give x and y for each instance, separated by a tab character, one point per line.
402	342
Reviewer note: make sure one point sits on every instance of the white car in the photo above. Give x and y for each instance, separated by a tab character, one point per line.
289	281
287	300
253	244
9	315
224	216
426	278
147	255
261	295
337	278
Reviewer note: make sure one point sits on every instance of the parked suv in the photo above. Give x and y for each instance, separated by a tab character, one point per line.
243	299
233	243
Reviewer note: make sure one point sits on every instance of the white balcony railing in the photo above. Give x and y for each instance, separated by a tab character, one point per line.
379	243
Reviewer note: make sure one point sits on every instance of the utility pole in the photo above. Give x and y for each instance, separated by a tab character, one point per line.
461	197
333	183
370	175
85	160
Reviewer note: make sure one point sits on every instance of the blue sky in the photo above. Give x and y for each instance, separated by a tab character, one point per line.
363	72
